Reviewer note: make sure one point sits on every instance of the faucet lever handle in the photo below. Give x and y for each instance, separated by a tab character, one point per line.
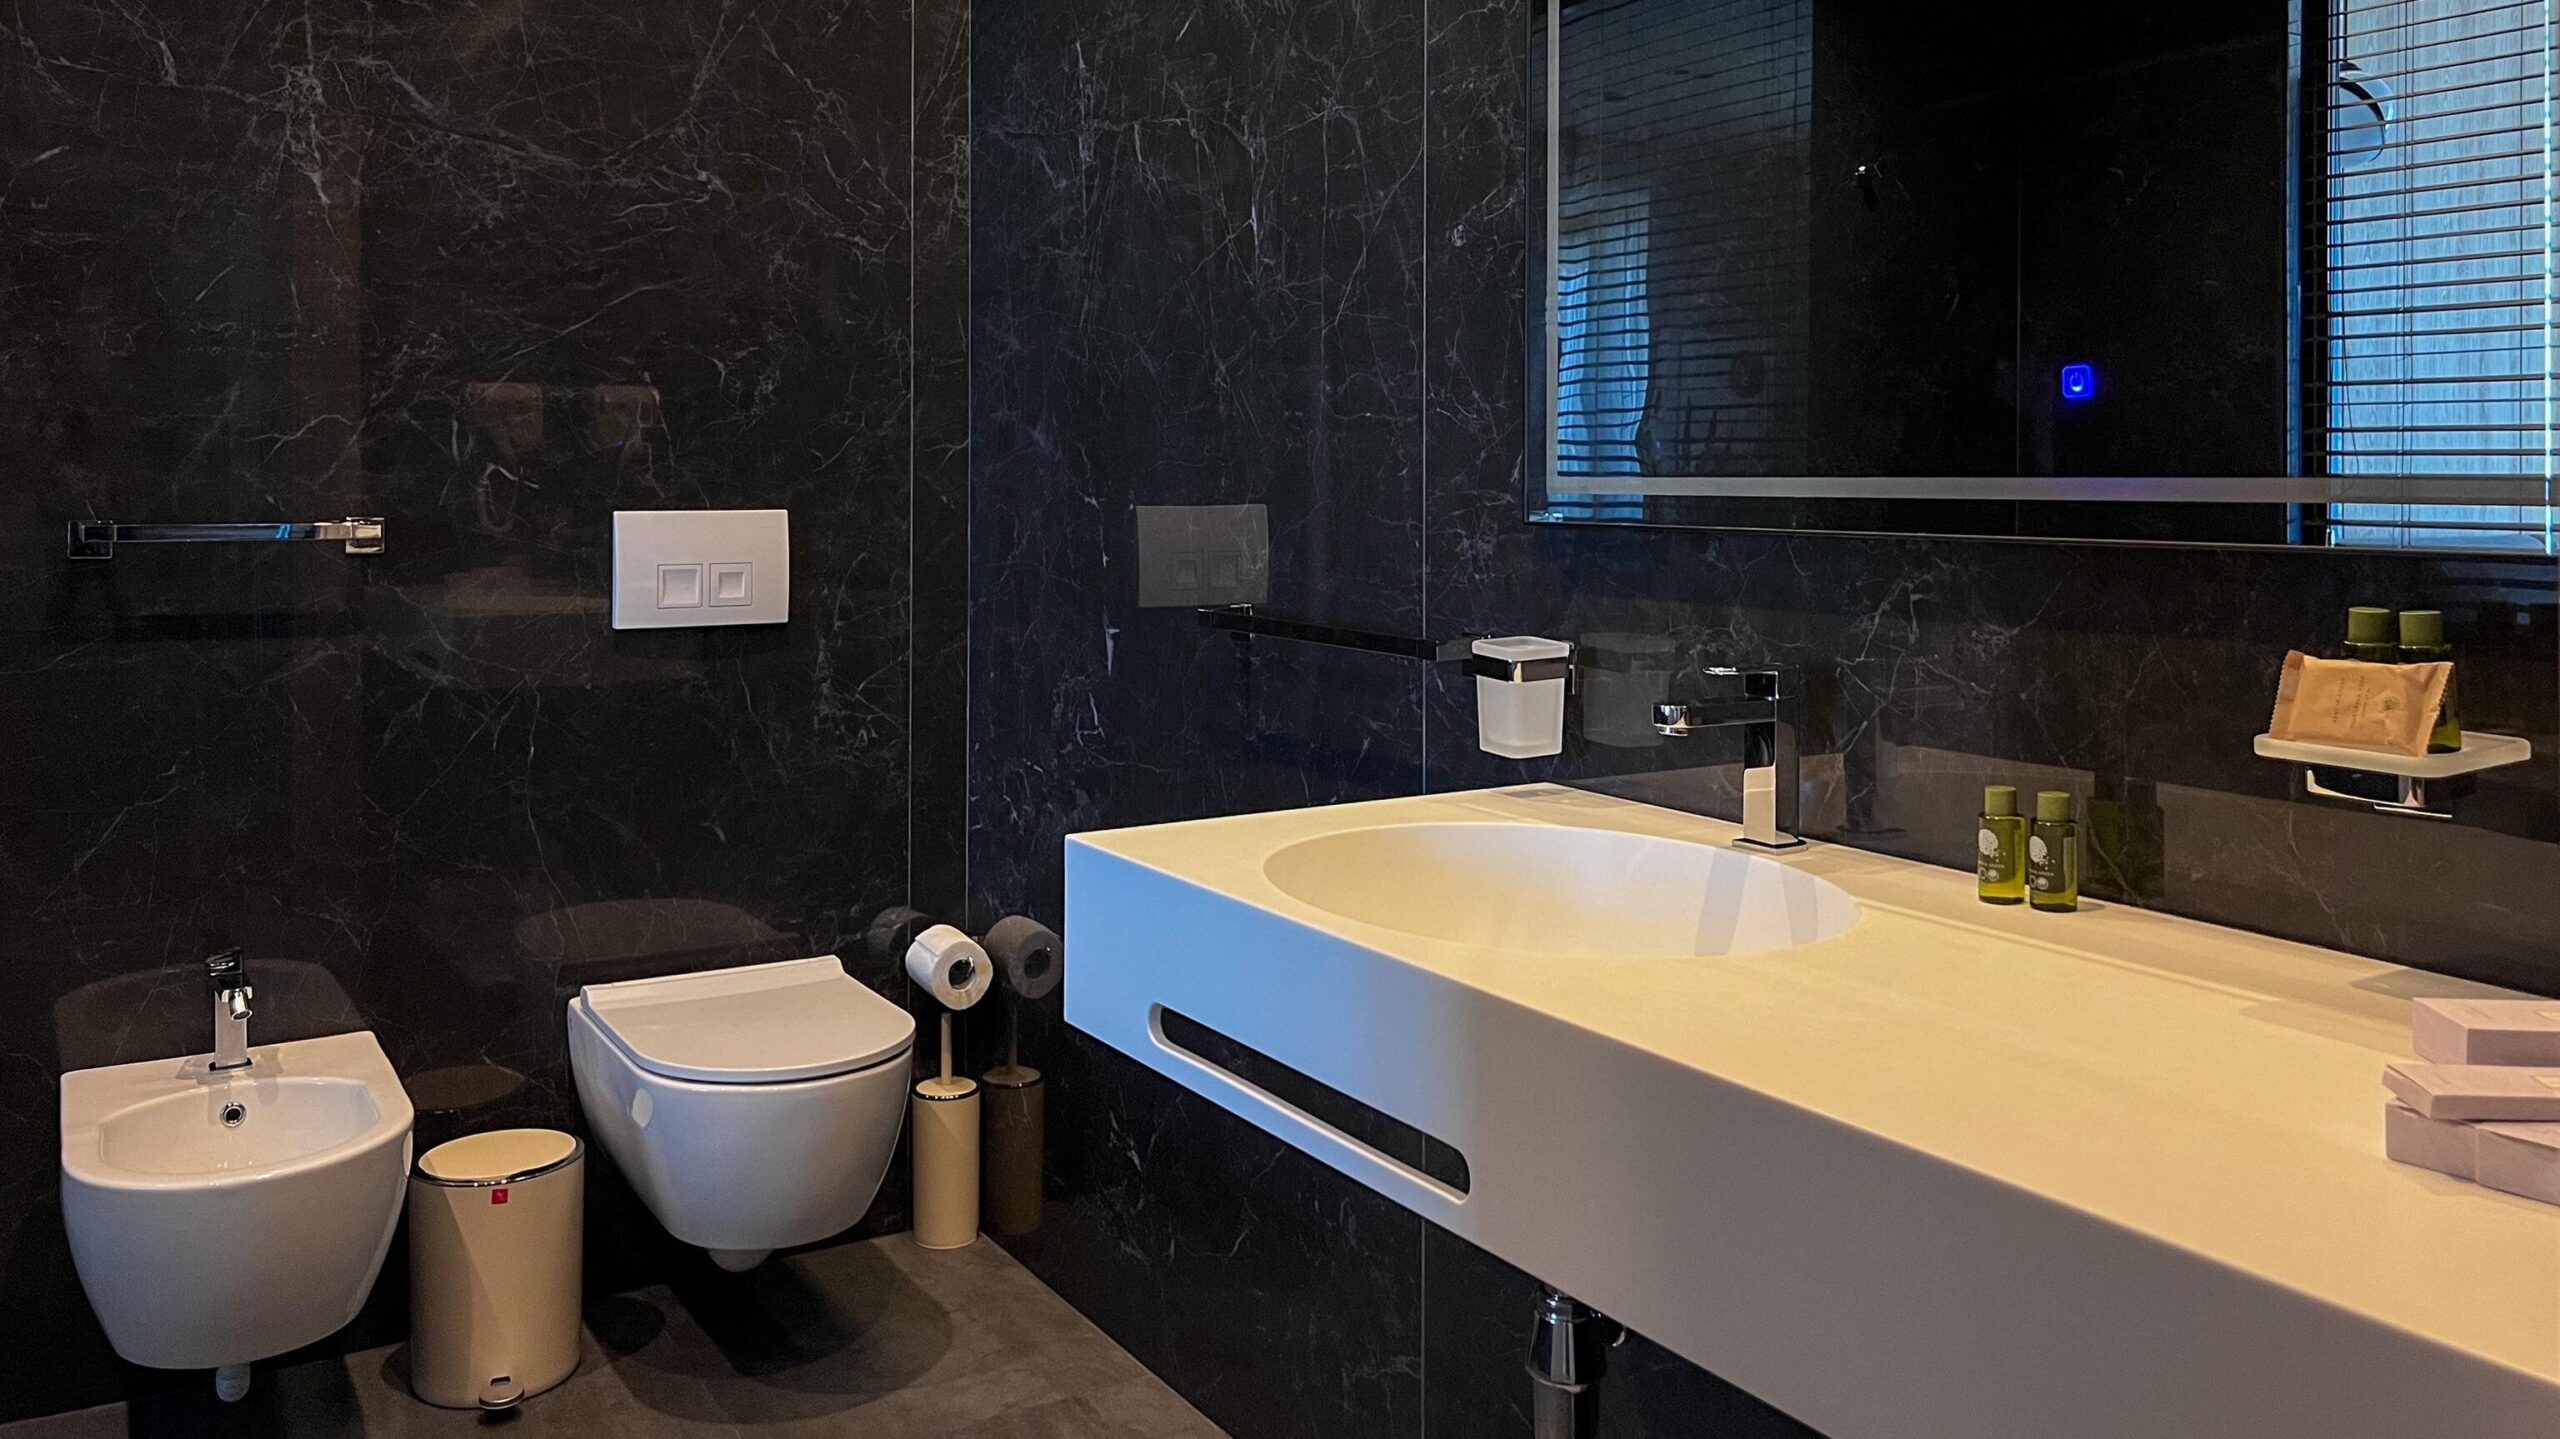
1758	681
224	968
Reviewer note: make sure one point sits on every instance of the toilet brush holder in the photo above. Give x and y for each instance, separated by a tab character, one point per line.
945	1125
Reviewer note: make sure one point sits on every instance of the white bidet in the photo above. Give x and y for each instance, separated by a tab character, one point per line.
220	1217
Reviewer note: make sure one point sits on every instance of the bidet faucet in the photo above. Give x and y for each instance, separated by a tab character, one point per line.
231	996
1768	748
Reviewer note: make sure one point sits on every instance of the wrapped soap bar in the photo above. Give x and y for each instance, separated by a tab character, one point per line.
2520	1159
2447	1146
2476	1091
2486	1031
2356	704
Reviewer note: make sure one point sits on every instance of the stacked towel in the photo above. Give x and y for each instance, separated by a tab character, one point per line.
2483	1102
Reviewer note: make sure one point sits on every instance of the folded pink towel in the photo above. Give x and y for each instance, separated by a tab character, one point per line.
2447	1146
2520	1159
2486	1031
2476	1091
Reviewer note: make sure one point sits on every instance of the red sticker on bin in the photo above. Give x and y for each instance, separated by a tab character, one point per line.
497	1196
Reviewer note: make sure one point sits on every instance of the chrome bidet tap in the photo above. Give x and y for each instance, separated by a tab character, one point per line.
231	996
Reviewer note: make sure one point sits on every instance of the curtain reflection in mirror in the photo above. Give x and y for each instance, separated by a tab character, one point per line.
2441	169
1682	265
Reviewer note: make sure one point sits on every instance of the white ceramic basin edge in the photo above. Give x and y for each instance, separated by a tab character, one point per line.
1543	889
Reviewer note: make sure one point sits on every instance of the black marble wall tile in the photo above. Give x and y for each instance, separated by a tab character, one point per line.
1279	1298
939	708
1197	281
489	273
1249	182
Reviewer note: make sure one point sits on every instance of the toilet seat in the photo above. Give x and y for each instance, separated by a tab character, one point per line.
756	1024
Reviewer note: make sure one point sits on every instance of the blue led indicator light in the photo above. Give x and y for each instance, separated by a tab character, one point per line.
2079	382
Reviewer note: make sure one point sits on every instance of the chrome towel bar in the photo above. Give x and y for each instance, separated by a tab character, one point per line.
1244	622
97	539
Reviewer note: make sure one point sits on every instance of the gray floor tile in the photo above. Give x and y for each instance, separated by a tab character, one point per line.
596	1400
1141	1406
879	1340
107	1421
306	1401
1060	1419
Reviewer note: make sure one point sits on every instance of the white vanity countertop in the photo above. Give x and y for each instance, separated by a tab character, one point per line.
2214	1090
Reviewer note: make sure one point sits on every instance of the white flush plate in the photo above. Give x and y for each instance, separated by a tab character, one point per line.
680	568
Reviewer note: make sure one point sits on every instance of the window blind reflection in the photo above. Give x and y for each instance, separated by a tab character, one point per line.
2440	211
1682	261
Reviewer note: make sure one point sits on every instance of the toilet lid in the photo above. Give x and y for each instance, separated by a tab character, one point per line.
756	1024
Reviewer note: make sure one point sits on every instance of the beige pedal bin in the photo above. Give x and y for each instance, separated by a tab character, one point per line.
495	1225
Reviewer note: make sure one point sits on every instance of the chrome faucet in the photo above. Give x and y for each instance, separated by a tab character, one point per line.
1768	749
231	996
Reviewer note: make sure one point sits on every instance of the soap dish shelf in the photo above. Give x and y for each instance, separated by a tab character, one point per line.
2393	783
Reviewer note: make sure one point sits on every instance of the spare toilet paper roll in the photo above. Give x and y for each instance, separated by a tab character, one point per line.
950	966
1030	954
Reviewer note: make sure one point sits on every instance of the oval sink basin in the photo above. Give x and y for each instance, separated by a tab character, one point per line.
284	1121
1551	890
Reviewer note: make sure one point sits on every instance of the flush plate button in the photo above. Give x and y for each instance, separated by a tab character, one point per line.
675	568
679	587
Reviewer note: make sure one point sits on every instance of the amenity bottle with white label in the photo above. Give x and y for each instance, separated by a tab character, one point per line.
2000	847
2053	854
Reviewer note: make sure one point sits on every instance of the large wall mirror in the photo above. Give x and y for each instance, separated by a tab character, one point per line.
2204	271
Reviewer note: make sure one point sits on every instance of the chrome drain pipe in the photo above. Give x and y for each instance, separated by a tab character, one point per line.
1569	1344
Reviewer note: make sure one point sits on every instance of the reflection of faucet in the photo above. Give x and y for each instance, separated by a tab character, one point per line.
231	996
1768	749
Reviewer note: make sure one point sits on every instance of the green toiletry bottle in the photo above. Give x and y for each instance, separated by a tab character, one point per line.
2000	847
2422	642
2370	636
2053	854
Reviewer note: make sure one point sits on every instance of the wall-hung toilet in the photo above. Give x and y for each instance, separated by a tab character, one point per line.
752	1108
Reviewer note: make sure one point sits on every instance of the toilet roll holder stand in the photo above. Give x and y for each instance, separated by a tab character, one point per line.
943	1120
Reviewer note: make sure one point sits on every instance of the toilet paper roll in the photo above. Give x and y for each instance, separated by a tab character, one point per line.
950	966
1030	954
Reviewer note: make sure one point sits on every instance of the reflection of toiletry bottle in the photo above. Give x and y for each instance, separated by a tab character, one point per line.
2053	854
2370	637
2422	642
2000	847
2123	849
